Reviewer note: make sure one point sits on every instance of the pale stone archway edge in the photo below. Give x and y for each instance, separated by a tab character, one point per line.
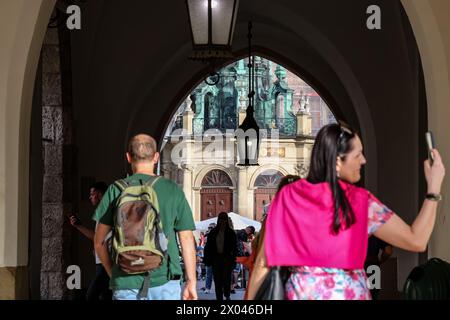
22	28
428	20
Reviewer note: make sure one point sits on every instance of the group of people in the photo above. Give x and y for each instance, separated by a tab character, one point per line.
319	227
134	274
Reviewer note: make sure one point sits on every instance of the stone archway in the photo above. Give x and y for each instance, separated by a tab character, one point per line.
23	24
429	21
21	41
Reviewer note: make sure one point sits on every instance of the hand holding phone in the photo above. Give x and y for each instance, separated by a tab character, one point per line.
74	220
430	145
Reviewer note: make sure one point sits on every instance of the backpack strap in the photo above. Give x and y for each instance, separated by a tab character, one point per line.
152	181
121	184
143	292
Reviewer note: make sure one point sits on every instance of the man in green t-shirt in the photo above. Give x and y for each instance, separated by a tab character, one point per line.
176	218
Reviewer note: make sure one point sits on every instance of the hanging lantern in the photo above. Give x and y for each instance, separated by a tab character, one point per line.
212	25
247	135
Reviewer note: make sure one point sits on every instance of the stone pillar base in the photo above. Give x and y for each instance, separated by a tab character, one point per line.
13	283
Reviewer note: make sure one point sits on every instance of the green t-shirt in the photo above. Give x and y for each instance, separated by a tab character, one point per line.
176	215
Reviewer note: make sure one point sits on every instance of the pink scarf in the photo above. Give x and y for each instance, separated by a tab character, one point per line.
299	224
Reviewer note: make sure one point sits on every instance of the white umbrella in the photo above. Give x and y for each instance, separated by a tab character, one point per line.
239	222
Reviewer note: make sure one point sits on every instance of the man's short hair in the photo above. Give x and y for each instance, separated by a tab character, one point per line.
252	229
99	186
141	147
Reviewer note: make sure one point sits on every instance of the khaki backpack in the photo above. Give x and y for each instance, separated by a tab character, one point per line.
139	243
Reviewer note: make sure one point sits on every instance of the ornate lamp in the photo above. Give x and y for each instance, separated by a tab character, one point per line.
212	25
247	135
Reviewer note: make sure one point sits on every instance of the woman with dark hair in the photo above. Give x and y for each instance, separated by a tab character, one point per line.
220	253
319	226
249	262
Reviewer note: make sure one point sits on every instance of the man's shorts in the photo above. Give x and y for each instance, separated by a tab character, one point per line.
169	291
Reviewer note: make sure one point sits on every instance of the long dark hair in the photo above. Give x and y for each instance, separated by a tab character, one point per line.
287	180
224	216
332	141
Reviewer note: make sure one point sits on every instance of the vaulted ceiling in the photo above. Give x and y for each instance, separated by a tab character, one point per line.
131	70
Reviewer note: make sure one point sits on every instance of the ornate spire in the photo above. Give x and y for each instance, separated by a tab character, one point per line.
188	103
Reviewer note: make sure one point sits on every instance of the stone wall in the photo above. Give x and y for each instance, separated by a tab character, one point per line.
57	153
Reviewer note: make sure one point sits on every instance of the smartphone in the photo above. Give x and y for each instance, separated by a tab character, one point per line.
77	220
430	145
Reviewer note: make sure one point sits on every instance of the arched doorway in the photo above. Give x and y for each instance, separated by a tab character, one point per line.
216	195
266	186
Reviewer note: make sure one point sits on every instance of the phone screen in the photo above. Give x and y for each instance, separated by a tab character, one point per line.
430	145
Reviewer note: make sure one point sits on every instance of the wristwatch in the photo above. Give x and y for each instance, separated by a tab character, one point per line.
433	196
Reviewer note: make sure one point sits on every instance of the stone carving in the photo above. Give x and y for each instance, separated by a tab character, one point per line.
302	170
268	179
304	103
216	178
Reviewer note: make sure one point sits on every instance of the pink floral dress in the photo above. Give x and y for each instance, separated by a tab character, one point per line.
317	283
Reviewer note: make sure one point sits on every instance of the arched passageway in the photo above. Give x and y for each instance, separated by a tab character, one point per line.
390	122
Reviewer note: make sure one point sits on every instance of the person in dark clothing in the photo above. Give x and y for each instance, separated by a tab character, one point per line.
209	276
244	235
374	248
99	286
220	253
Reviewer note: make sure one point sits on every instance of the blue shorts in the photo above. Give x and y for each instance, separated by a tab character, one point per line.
169	291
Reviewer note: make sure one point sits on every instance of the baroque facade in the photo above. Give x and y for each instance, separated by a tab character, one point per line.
199	151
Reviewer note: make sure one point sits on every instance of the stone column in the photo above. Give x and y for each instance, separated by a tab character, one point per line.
250	194
242	191
304	123
187	183
196	205
188	117
58	189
